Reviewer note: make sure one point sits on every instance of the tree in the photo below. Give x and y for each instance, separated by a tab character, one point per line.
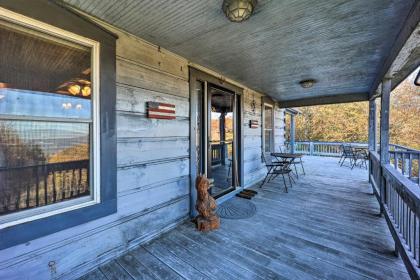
348	122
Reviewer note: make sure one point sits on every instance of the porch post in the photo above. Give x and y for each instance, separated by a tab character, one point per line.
372	125
384	134
292	133
223	147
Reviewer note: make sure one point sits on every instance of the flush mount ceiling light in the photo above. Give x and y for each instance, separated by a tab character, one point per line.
238	10
307	83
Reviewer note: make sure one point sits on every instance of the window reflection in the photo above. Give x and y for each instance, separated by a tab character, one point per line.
18	102
45	119
42	163
268	129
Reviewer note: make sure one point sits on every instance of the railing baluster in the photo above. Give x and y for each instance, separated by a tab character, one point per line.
63	184
45	185
17	203
80	181
410	166
54	187
409	229
418	168
403	163
36	169
417	240
28	191
414	236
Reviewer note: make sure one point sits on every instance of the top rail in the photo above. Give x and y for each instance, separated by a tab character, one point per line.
399	199
405	160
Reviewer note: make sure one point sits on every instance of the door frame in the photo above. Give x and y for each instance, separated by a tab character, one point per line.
235	141
194	76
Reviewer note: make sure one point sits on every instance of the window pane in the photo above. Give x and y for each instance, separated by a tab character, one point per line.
42	163
268	119
43	76
268	134
45	119
40	104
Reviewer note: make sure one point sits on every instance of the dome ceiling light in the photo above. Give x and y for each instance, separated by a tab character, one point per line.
307	83
238	10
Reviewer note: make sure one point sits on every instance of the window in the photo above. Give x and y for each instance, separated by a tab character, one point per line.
49	146
268	126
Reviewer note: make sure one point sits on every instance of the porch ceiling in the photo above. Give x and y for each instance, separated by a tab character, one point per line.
342	44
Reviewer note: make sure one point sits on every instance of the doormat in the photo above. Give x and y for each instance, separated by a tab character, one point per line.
236	208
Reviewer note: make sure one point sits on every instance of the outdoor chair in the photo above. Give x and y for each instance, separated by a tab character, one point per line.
298	161
347	153
361	158
275	168
295	162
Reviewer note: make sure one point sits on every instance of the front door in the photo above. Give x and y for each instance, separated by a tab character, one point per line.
221	143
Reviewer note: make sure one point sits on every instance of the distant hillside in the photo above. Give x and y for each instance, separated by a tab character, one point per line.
78	152
349	122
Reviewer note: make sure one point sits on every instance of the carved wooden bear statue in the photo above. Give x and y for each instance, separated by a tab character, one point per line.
206	205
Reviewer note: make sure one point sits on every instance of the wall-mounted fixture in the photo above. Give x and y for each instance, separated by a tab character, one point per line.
307	83
239	10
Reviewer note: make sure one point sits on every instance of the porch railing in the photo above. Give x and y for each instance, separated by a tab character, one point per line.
220	152
38	185
330	149
404	160
399	199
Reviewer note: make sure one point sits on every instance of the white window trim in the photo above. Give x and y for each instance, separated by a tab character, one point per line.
263	126
95	198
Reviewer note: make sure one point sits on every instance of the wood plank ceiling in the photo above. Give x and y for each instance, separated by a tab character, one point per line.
342	44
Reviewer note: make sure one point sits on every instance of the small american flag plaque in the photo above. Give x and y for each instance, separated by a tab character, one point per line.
158	110
253	123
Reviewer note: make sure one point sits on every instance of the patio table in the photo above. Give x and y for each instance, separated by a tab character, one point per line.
291	158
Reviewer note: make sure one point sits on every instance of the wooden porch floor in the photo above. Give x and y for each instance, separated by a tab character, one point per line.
326	227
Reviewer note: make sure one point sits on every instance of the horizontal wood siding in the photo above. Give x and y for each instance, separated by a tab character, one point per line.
279	126
153	169
253	165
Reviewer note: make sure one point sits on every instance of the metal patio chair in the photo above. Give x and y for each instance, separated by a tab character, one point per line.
275	168
361	156
295	162
347	153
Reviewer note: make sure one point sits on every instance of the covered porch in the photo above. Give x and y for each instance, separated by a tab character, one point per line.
136	104
327	227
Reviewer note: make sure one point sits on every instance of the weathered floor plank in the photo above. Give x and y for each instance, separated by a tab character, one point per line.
94	275
326	227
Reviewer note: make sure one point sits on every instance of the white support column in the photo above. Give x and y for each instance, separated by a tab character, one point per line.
372	132
292	133
372	125
384	134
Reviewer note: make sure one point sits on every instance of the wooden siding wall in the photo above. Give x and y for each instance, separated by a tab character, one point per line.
153	169
279	129
254	167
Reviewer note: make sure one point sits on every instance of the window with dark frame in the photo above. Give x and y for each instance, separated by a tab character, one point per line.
47	123
268	127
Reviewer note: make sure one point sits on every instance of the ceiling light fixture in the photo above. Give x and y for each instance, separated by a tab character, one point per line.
238	10
307	83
